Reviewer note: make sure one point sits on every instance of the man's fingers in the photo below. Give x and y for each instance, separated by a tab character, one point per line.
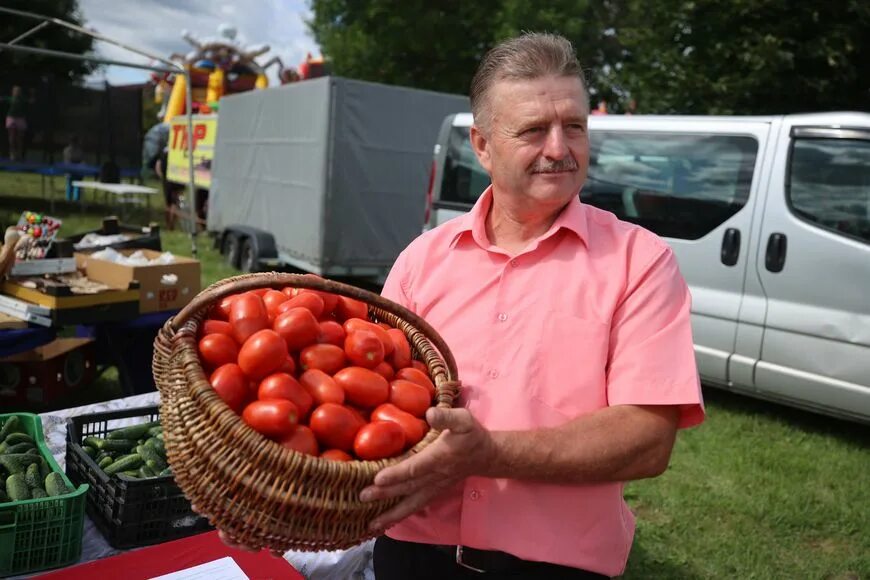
455	420
375	492
411	504
420	465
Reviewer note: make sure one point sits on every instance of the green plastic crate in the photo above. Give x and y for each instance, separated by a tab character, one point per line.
37	534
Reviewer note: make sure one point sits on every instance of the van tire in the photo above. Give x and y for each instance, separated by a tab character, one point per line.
231	248
249	260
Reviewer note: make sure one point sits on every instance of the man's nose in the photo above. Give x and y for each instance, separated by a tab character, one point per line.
555	147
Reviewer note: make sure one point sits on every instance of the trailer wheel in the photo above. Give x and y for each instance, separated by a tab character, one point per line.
231	248
249	261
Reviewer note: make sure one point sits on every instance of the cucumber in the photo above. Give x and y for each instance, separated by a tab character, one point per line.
155	431
3	496
106	461
146	471
55	485
33	451
157	445
44	469
20	447
134	473
32	478
124	445
167	471
12	425
17	488
94	442
38	493
14	438
150	455
134	432
124	463
16	463
3	447
89	451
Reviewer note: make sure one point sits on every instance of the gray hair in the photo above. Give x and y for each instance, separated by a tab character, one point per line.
530	56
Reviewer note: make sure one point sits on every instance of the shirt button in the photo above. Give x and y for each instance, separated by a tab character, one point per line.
502	317
474	495
493	373
514	263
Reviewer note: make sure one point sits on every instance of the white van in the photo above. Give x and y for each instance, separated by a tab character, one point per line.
769	218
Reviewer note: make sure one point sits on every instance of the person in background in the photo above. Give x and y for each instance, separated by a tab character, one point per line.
572	336
631	109
601	109
73	154
16	123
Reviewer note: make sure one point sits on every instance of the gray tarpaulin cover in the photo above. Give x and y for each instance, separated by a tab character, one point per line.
335	169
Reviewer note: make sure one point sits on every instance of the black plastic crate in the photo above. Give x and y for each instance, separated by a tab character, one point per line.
129	512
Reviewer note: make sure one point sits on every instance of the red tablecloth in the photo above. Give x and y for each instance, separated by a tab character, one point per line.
169	557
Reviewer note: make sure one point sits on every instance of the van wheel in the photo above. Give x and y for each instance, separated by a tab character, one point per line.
249	261
231	248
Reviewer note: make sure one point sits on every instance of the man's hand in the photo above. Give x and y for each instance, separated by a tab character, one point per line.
463	448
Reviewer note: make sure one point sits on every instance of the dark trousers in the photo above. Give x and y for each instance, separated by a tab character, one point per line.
396	560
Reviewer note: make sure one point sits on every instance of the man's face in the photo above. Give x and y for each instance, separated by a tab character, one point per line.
536	148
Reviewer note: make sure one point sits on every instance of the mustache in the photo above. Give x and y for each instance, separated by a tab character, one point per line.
545	166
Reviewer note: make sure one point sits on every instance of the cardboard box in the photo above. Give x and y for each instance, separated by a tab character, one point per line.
161	287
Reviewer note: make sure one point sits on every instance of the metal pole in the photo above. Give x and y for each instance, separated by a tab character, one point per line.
30	32
71	56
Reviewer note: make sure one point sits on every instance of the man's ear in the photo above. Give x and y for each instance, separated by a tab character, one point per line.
480	144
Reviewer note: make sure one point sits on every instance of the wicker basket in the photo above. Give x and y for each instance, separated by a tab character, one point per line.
256	491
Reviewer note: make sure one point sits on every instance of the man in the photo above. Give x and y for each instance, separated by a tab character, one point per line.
16	123
572	337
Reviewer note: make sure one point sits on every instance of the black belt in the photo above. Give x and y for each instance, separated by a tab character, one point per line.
481	560
494	561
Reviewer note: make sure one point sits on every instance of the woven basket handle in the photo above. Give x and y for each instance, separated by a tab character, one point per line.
238	284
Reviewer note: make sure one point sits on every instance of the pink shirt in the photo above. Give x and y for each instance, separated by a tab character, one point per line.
594	313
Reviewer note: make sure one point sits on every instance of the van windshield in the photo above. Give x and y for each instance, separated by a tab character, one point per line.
464	179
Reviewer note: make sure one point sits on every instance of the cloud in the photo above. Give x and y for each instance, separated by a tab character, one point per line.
156	26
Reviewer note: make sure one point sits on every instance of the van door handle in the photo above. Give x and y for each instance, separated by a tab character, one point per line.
774	260
730	246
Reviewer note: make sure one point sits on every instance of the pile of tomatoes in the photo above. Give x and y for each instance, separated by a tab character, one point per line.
310	371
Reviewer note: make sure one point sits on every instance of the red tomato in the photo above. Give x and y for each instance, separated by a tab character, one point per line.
331	332
361	415
262	354
326	357
288	367
354	324
283	386
347	308
410	397
419	377
385	369
218	349
413	427
273	300
384	325
259	292
302	440
275	419
248	315
216	327
297	327
364	349
379	440
336	455
329	301
420	366
305	299
222	310
401	349
363	387
321	387
231	385
334	426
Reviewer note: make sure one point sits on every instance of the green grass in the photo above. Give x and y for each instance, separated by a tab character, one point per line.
758	491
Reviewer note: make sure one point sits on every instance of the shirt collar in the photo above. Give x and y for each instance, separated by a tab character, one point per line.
572	218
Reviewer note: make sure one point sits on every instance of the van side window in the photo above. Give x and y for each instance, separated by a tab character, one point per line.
464	178
676	185
829	184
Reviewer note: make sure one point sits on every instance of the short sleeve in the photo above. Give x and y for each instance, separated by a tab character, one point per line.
396	286
652	357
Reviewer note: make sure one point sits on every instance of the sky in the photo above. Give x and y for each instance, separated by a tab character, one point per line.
156	26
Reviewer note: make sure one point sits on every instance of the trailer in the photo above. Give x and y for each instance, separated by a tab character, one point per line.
327	176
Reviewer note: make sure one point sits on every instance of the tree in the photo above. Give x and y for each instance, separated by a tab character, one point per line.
28	69
747	56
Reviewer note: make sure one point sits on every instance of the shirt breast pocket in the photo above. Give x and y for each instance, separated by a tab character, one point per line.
570	364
